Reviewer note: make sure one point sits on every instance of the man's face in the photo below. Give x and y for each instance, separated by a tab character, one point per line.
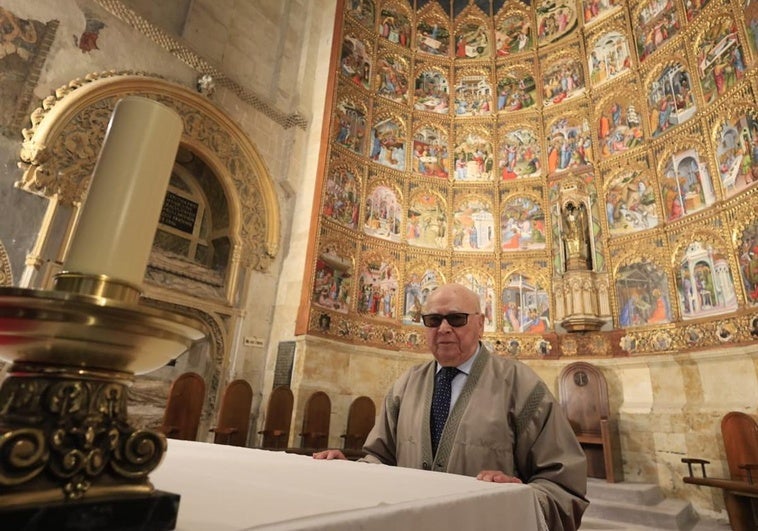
452	346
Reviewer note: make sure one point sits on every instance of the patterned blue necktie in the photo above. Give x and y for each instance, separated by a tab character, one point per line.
441	403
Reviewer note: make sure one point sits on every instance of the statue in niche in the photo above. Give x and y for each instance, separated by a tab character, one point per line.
575	237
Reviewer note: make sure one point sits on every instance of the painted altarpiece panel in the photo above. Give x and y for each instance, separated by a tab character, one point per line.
350	125
642	294
516	87
562	76
472	39
704	280
630	201
513	33
522	223
554	19
473	156
720	58
655	23
383	211
361	10
377	286
433	33
388	138
619	124
685	181
520	153
483	285
693	8
748	260
735	138
473	222
751	23
342	192
525	304
473	92
430	155
332	283
596	10
432	91
426	219
355	60
392	76
609	57
670	99
421	279
395	25
569	144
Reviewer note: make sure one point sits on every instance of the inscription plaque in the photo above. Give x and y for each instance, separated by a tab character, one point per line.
179	213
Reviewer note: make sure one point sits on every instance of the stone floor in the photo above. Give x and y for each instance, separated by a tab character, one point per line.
594	524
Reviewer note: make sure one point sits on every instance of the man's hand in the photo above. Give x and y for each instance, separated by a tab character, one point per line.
496	476
329	454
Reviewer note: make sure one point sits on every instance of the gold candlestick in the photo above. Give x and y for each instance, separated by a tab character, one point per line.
67	450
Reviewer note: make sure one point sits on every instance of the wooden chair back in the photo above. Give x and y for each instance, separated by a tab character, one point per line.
276	428
184	407
316	419
740	433
234	416
360	420
583	394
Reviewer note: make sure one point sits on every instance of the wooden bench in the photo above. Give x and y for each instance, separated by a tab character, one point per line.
740	434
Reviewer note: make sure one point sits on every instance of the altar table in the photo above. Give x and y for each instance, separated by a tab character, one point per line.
229	488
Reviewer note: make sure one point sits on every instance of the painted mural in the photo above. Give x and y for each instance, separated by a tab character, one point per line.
748	260
525	305
670	99
643	295
704	282
522	224
630	202
737	152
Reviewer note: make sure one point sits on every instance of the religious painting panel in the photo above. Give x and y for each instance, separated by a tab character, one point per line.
383	211
520	153
422	278
670	98
630	203
474	156
516	87
361	10
525	304
562	76
472	40
350	125
392	77
619	125
332	282
433	33
377	286
595	10
388	142
748	261
432	92
355	60
643	295
513	33
720	58
555	18
473	92
25	45
430	152
692	8
522	223
704	281
569	143
483	285
473	222
736	141
342	192
609	57
427	219
394	25
750	20
685	182
655	23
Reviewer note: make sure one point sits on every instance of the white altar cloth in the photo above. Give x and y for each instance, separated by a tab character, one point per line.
227	488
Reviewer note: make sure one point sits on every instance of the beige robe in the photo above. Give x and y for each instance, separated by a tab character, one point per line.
505	419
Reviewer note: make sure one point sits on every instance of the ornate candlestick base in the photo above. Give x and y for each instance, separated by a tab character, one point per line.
67	450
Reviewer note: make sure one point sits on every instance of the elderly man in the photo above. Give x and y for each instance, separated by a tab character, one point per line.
503	426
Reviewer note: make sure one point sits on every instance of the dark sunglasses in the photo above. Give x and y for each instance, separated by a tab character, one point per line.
456	319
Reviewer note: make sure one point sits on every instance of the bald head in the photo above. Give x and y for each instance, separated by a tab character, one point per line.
465	297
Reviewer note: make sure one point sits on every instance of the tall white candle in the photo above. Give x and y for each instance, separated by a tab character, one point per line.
121	211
